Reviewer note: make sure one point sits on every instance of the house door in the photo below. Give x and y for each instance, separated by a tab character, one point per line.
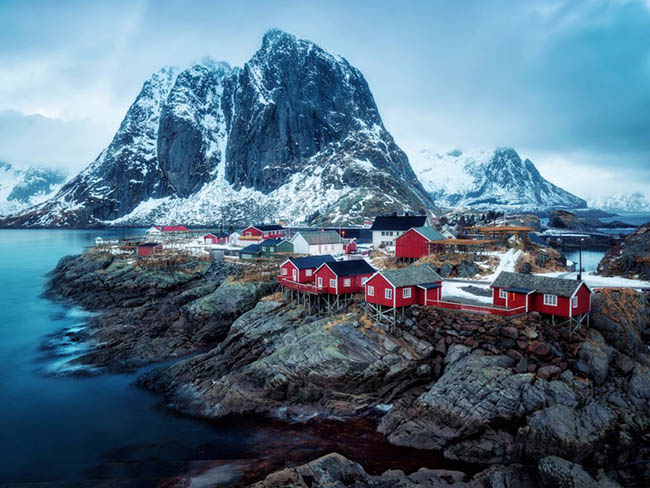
294	273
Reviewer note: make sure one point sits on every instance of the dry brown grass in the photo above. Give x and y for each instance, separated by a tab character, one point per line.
274	297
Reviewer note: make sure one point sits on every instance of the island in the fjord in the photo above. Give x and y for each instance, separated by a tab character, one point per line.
518	397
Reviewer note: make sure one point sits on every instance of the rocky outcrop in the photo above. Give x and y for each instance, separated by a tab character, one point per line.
560	473
561	219
145	313
334	470
276	361
631	258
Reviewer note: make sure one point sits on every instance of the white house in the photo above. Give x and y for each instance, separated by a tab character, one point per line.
317	242
386	228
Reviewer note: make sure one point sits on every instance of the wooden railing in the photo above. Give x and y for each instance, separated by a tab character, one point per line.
464	307
294	285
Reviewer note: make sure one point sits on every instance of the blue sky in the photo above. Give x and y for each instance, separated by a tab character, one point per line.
566	83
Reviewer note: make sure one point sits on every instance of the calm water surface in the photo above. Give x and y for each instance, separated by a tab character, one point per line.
62	429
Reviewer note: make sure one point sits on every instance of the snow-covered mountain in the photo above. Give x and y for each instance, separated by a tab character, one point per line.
294	134
23	187
495	178
622	202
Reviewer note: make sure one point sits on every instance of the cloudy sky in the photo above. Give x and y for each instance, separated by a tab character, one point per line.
566	83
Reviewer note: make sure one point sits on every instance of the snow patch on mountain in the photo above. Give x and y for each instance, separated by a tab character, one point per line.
622	202
488	178
21	188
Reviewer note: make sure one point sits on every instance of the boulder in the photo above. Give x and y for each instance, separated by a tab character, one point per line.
557	472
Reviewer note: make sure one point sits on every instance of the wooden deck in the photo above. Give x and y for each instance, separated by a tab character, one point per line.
302	287
482	309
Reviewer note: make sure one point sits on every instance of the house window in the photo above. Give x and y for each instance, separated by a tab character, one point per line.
347	282
550	300
284	271
502	294
363	280
574	301
388	293
272	249
320	282
406	293
371	291
248	233
332	283
383	233
309	272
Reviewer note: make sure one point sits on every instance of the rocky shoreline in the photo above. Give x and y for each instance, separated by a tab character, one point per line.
540	406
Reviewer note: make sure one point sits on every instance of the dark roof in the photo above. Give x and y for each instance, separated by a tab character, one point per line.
398	222
149	244
252	249
271	242
267	227
541	284
514	289
312	261
429	233
321	237
413	275
430	285
354	267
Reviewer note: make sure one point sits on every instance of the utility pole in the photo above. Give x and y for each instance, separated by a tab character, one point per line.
582	239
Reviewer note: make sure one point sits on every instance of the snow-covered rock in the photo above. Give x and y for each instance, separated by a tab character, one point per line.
622	202
495	178
295	134
23	187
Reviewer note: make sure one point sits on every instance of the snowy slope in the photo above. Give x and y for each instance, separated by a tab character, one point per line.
21	188
293	134
622	202
488	178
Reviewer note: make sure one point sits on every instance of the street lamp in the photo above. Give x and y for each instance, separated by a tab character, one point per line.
582	239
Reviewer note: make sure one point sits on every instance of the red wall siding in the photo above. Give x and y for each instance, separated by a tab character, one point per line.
326	274
562	308
584	301
499	302
380	284
148	251
254	232
350	247
410	245
301	274
404	302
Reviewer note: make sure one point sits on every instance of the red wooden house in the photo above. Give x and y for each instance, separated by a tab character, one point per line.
553	296
416	242
396	288
302	270
171	228
350	246
261	232
343	277
216	237
149	248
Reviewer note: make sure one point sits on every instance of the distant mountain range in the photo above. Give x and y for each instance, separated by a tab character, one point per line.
21	188
494	179
622	202
295	134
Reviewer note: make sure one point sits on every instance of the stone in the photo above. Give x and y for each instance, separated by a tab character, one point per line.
558	472
424	371
539	348
455	353
510	332
548	371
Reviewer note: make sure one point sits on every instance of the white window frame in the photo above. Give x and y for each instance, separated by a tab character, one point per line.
406	293
332	283
574	301
371	291
309	272
550	300
347	282
503	294
388	294
284	271
272	249
320	282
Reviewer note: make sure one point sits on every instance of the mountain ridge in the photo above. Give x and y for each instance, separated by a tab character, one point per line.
488	178
21	187
293	134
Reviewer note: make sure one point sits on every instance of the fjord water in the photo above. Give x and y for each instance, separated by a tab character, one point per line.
63	429
56	428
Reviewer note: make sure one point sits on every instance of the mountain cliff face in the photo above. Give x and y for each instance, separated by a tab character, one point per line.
23	187
294	134
488	179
